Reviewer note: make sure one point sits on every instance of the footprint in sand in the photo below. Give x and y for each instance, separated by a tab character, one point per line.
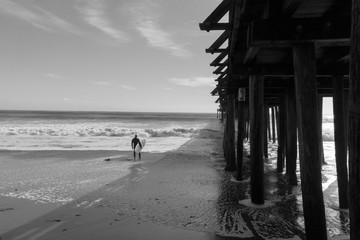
6	209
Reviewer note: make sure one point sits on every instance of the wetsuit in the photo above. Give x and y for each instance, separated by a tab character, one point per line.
135	141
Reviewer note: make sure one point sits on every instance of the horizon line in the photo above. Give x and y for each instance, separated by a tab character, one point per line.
109	111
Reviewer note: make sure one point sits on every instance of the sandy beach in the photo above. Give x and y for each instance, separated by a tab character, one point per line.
180	194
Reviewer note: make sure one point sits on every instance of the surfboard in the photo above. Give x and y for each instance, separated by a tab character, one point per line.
138	148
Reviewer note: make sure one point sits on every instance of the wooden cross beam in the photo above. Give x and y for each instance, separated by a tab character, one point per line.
215	91
285	69
211	22
219	69
216	26
279	33
225	63
222	77
220	41
218	59
219	50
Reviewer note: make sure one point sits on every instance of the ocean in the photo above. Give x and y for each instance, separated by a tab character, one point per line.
55	130
52	157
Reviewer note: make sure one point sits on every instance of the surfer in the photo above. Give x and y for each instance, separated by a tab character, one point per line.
135	141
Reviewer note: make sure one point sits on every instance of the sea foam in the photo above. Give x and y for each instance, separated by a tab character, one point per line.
88	131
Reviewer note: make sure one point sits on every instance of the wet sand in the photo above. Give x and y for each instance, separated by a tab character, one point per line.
182	194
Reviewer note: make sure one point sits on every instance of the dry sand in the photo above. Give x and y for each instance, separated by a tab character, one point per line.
182	194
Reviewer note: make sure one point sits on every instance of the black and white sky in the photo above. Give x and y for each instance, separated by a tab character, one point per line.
106	55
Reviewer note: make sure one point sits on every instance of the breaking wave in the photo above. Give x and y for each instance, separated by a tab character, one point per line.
97	131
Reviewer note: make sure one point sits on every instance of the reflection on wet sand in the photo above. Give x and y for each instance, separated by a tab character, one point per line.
278	220
283	217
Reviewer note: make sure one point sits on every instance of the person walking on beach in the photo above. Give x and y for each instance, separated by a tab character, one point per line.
135	141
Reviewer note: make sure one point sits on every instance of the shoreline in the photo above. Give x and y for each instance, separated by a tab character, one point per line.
19	215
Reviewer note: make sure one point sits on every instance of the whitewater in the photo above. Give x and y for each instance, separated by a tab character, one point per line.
45	130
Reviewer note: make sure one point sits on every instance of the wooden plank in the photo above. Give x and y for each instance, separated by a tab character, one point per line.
310	163
219	50
291	143
226	71
354	123
256	138
215	26
340	141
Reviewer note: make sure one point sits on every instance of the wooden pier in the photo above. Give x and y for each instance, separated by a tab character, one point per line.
285	56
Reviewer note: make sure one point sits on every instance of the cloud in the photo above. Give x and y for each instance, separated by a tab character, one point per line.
37	17
194	82
52	76
93	13
67	100
128	87
101	83
146	20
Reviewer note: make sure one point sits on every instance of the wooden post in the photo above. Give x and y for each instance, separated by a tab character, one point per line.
340	142
310	162
354	123
280	149
240	140
247	121
291	144
257	138
225	143
267	112
230	133
266	124
273	123
346	109
322	156
282	136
